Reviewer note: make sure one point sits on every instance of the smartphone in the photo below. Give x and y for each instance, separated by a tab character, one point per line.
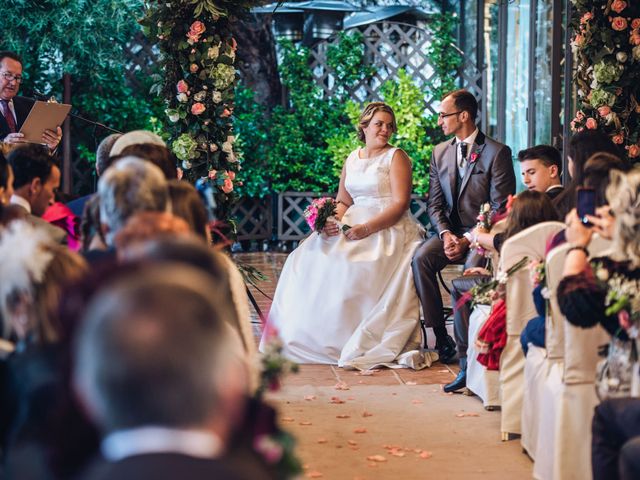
586	203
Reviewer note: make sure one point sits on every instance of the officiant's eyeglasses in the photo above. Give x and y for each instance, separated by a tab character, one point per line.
10	76
445	115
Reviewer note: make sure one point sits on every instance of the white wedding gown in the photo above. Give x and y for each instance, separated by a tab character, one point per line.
353	302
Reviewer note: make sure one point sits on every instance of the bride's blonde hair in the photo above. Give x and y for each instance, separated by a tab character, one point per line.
368	113
623	194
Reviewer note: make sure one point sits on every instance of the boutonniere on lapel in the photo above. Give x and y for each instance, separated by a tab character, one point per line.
473	158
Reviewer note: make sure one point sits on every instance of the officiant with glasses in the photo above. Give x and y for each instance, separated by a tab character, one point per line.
466	171
14	109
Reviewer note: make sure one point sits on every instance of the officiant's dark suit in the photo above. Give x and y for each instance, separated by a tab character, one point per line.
22	107
461	180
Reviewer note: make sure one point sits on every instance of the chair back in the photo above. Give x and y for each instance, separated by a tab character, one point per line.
529	243
554	324
580	344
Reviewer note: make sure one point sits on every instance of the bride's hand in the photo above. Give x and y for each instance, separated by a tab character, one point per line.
358	232
331	229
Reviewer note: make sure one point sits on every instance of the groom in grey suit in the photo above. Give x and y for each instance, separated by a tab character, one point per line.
465	172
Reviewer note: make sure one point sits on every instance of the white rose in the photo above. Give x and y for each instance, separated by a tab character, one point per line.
621	57
182	97
216	96
213	52
200	96
636	52
213	147
186	165
227	147
173	118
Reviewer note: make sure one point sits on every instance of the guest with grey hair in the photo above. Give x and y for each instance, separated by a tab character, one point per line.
157	372
129	186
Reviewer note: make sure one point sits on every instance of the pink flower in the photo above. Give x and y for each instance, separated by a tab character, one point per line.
191	38
579	115
193	68
604	110
624	320
212	174
270	449
231	174
182	86
619	23
197	28
198	108
225	113
473	158
635	23
573	125
227	187
591	124
234	44
634	151
618	5
578	41
586	17
634	39
618	139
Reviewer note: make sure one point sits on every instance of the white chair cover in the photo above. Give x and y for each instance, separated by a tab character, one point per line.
558	455
529	243
484	383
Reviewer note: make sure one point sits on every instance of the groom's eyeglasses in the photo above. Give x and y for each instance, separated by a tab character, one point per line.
445	115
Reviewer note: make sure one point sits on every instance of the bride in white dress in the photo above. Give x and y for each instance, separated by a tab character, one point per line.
349	298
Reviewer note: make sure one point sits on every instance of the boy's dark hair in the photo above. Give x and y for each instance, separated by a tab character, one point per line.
547	154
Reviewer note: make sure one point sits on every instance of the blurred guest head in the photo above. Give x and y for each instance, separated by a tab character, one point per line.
159	155
131	185
103	152
623	194
153	350
582	146
34	272
135	137
6	180
36	176
145	226
187	204
529	208
597	171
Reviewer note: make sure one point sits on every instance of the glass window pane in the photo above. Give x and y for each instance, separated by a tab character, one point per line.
543	54
490	42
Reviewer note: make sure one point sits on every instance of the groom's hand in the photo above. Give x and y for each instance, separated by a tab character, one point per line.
455	247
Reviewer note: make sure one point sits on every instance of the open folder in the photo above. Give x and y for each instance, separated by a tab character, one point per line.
43	116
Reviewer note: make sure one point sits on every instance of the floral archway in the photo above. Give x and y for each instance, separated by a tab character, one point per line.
606	43
198	52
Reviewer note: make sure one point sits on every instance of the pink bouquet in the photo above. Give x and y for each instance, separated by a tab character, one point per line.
319	211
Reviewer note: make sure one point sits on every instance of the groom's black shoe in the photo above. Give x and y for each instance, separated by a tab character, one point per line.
458	384
446	348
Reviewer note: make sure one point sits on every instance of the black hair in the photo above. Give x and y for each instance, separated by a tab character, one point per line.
29	162
464	102
547	154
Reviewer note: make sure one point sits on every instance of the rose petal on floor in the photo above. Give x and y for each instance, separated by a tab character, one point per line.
309	397
341	386
287	419
415	401
426	454
377	458
343	416
367	414
322	440
467	414
314	474
352	442
411	383
336	400
360	430
368	373
305	423
397	453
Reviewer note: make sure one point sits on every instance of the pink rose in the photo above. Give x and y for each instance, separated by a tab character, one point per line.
635	23
579	115
192	38
234	44
634	39
578	41
197	108
591	124
227	187
198	28
225	113
604	110
634	151
474	157
624	320
618	5
193	68
232	175
586	17
183	87
212	174
573	125
619	23
618	139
